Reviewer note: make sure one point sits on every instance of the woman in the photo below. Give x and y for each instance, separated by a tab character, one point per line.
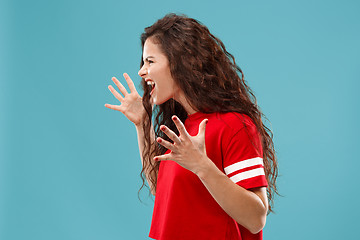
206	155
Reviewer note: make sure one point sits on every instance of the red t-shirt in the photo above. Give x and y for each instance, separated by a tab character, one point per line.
184	209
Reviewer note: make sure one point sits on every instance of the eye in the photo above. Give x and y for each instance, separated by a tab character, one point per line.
150	61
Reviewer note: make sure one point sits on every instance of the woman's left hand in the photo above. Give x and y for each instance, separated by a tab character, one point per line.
188	151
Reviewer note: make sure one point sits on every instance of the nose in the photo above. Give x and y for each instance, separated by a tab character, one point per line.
143	71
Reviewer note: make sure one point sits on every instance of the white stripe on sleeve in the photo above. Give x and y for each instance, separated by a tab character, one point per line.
248	174
243	164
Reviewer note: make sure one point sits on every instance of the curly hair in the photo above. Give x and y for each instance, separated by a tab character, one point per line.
211	82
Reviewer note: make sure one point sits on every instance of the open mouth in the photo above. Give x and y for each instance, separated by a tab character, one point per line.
152	85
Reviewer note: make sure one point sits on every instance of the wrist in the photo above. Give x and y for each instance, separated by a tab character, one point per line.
207	168
139	124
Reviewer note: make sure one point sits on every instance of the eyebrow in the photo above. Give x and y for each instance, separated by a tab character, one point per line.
146	59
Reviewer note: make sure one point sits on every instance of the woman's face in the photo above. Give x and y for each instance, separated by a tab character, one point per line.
156	71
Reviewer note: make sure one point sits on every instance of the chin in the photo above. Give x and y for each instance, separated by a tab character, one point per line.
160	101
155	101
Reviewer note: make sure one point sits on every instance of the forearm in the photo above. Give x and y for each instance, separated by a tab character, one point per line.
141	137
244	206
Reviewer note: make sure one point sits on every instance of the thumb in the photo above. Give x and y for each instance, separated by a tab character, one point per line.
202	127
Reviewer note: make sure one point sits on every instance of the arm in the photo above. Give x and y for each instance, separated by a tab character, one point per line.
247	207
140	136
131	106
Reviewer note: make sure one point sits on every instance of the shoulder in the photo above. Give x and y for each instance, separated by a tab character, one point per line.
234	121
221	124
242	136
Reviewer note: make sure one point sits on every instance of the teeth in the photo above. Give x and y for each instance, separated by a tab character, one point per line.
150	83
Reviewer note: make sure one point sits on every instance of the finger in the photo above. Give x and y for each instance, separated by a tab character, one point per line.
114	107
166	144
180	126
164	157
120	86
170	134
129	82
202	127
115	93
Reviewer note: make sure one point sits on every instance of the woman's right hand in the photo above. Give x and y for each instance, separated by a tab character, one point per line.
131	104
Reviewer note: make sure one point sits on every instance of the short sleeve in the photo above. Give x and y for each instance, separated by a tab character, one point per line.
243	162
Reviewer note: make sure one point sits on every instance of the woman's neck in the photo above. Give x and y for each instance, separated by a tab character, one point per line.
185	104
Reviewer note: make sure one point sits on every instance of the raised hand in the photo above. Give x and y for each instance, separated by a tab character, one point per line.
131	103
188	151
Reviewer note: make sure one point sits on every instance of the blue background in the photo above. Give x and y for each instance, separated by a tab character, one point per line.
70	167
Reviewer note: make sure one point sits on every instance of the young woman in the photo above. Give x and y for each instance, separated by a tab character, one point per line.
206	154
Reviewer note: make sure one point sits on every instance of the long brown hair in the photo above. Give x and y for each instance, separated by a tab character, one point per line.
211	82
